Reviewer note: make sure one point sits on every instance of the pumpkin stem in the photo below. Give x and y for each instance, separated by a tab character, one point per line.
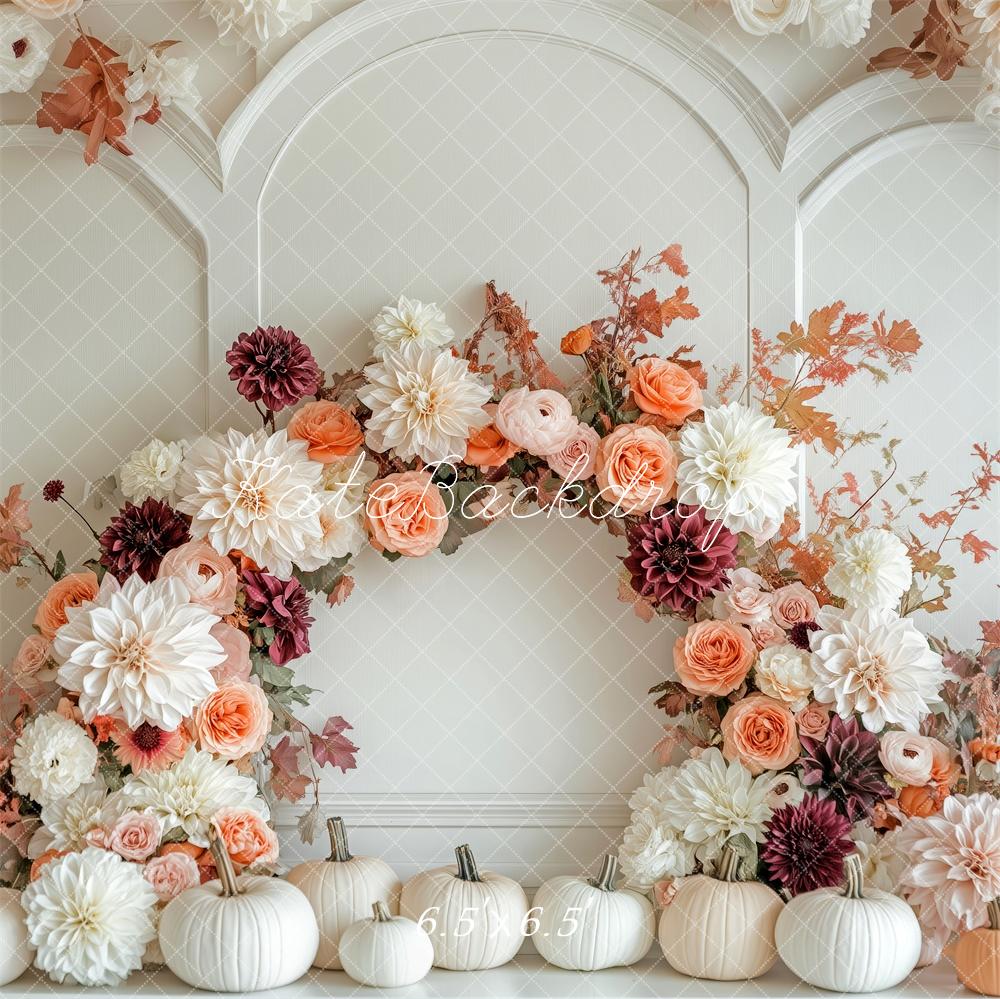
729	865
338	840
467	869
993	911
609	871
223	863
855	876
380	913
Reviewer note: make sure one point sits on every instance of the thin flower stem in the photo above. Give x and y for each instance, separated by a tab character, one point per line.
90	528
41	559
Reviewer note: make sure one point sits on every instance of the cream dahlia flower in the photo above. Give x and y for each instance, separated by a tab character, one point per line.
870	569
142	652
257	493
838	22
424	403
68	819
89	917
52	757
251	24
151	470
877	664
410	321
341	514
739	468
652	850
785	673
882	861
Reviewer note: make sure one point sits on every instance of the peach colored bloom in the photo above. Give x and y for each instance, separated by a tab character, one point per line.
14	521
636	468
746	600
171	874
794	604
135	836
328	429
211	578
148	747
577	341
487	447
248	838
578	459
983	750
945	769
919	802
814	720
236	646
714	657
32	656
234	720
72	590
665	389
760	732
766	634
406	514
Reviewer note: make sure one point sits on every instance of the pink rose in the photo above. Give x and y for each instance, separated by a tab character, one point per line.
636	468
406	514
746	601
171	874
766	634
813	721
577	459
98	837
31	656
236	646
908	757
234	720
794	604
540	421
135	836
211	578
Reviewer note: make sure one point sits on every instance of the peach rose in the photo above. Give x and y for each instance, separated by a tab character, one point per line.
236	646
247	837
814	721
406	514
636	468
135	836
577	341
578	458
234	720
746	600
794	604
487	447
766	634
211	578
32	656
664	389
714	657
760	732
329	430
70	591
171	874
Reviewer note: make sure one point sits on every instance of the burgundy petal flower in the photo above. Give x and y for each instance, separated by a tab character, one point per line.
53	490
799	635
139	536
273	365
281	604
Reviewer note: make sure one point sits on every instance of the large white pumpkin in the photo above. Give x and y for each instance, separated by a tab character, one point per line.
852	940
386	952
15	951
721	928
586	925
342	889
238	934
475	920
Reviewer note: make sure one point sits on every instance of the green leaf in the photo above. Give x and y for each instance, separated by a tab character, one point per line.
324	579
59	568
390	556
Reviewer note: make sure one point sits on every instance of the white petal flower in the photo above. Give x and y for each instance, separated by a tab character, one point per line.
342	536
785	673
764	17
882	861
90	916
69	818
25	47
651	851
257	493
251	24
52	757
871	569
410	321
187	795
153	75
424	403
142	652
839	22
151	470
877	664
739	468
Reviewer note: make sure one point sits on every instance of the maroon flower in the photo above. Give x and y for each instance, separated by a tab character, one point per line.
806	845
273	365
138	538
678	557
53	490
283	605
799	635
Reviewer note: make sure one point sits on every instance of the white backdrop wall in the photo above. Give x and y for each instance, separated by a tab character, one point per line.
426	146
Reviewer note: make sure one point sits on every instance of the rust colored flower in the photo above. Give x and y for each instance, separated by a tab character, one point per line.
577	341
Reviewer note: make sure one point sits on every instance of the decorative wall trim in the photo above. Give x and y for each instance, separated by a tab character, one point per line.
192	135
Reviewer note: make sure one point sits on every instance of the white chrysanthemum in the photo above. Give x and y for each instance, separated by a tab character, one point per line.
739	468
424	403
251	24
410	321
89	917
25	47
765	17
654	791
257	493
870	569
153	75
785	673
187	795
151	470
882	861
651	850
68	819
838	22
877	664
142	652
52	757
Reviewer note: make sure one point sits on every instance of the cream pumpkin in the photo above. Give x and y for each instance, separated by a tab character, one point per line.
977	955
386	952
15	950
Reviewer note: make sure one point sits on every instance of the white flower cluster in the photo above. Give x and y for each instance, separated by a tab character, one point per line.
830	22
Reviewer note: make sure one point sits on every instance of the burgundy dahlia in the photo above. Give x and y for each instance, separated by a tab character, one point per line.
678	557
274	366
846	766
53	490
281	604
806	845
139	536
799	635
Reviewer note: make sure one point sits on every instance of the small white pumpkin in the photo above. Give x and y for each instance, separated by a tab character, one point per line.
475	920
856	940
238	934
721	928
341	888
16	952
586	925
385	951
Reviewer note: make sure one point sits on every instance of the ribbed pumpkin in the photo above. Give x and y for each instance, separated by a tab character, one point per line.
15	950
385	952
342	889
977	955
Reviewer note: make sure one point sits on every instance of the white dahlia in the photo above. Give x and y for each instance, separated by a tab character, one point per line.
838	22
739	468
652	850
151	470
871	569
877	664
257	493
785	673
25	47
411	321
52	757
90	916
424	403
881	859
251	24
68	819
142	652
187	795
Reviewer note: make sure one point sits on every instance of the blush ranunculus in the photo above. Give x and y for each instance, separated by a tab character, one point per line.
760	732
211	578
636	468
236	647
663	388
135	836
486	446
541	420
794	604
329	430
814	721
907	757
406	513
578	459
714	657
247	837
171	874
70	591
234	720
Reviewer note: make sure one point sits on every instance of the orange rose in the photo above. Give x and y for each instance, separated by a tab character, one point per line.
664	389
247	837
760	732
636	467
406	514
487	447
983	750
714	657
919	802
577	341
234	720
329	430
70	591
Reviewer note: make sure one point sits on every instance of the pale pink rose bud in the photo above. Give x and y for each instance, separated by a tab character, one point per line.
578	458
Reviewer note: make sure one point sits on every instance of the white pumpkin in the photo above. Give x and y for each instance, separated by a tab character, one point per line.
16	952
721	928
385	951
475	920
853	940
341	889
586	925
238	934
